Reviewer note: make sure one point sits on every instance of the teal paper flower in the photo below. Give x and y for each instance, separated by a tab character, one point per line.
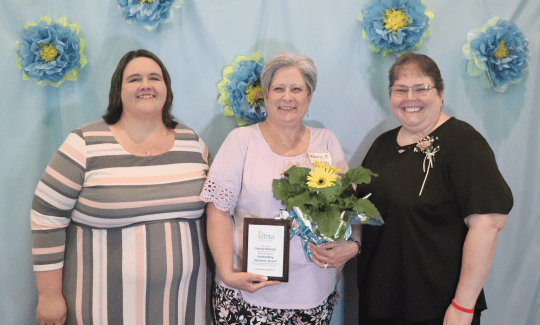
148	13
497	53
241	91
50	52
394	27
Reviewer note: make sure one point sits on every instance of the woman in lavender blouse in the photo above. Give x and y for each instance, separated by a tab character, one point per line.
239	185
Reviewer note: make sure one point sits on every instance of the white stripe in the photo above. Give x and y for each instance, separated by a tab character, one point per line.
48	267
200	298
145	171
101	222
79	144
52	221
105	149
99	285
129	282
54	198
187	268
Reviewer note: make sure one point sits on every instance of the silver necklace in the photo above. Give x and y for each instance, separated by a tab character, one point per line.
295	141
147	152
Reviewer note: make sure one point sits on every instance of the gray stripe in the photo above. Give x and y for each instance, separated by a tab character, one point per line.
43	207
88	274
92	140
137	193
156	272
46	259
194	226
135	212
67	167
114	277
70	275
60	187
48	238
69	280
114	161
177	272
99	125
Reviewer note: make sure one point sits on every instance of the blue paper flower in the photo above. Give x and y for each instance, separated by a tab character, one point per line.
497	53
148	13
50	52
395	26
241	91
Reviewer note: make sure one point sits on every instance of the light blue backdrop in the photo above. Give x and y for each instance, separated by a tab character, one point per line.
351	99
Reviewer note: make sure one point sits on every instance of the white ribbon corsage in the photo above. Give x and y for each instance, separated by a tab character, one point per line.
425	145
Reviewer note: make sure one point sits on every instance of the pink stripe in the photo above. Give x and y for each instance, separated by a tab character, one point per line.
184	131
97	134
73	153
48	250
62	179
140	270
146	180
168	283
205	154
137	204
38	225
78	293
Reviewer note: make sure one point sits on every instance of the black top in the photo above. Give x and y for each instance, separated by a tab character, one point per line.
410	266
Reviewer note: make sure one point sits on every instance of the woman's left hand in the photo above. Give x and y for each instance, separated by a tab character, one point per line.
457	317
333	254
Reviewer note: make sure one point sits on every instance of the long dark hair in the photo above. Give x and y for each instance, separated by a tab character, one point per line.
114	110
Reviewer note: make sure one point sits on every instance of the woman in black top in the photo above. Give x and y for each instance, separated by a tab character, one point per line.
443	200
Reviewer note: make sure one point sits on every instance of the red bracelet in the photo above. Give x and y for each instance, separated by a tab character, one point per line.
465	310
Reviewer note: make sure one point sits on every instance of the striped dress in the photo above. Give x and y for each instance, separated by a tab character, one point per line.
126	229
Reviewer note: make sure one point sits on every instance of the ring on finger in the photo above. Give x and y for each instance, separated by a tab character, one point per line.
325	265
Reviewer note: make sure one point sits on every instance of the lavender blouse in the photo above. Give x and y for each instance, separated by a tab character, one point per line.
240	181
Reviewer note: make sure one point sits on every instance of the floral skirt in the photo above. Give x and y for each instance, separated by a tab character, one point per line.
230	308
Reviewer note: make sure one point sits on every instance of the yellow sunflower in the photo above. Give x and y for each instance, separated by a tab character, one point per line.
327	168
321	177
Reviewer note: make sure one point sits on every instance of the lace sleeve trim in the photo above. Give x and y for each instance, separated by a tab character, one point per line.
223	198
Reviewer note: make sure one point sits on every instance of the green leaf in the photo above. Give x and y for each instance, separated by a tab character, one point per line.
363	206
358	175
329	193
329	223
298	175
298	201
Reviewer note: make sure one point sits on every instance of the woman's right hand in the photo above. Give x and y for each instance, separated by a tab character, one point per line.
51	310
249	282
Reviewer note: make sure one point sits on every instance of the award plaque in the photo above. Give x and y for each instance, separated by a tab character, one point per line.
266	248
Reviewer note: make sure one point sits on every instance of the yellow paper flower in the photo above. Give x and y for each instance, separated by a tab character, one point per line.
321	177
395	19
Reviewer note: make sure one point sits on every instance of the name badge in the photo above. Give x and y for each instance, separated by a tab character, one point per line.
324	157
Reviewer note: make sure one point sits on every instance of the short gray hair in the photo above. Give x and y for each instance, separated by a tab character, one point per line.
288	59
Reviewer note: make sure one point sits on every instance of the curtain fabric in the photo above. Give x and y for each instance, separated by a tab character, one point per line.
351	99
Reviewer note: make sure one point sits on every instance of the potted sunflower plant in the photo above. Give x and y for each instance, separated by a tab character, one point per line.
321	202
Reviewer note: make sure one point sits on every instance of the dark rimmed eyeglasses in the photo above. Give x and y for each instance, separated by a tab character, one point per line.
417	90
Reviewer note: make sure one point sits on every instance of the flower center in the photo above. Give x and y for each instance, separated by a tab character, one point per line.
48	52
254	94
147	1
395	19
502	52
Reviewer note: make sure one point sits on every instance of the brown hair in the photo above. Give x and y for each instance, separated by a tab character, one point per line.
423	62
114	110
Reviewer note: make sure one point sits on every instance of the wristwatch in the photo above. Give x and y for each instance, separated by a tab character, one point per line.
357	241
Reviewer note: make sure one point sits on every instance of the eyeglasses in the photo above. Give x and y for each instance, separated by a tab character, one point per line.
417	90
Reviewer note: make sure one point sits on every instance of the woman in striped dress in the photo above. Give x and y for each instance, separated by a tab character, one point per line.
116	216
